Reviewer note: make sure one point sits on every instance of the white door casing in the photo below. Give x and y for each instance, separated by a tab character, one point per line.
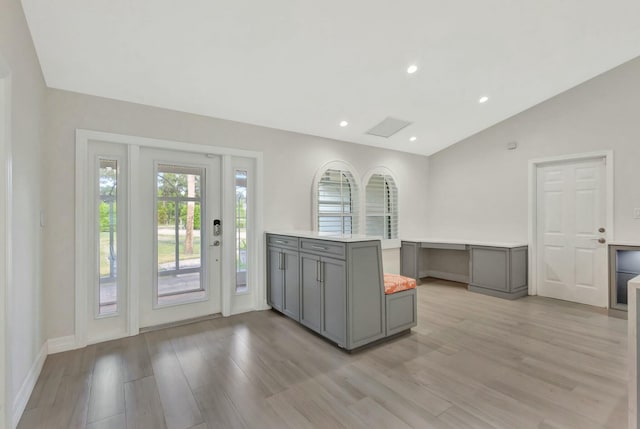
5	237
571	225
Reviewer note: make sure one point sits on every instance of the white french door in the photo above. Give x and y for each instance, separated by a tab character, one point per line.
571	231
180	237
150	244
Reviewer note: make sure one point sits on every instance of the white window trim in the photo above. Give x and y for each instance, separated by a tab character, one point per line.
335	165
96	231
244	301
387	243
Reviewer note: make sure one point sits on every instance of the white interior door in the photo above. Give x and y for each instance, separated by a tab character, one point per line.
180	250
571	235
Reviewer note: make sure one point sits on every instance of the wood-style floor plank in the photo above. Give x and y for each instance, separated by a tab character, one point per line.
143	406
107	387
180	407
473	361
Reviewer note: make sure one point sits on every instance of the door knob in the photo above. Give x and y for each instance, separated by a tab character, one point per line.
602	240
602	230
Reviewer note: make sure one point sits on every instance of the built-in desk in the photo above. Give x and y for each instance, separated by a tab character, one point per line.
493	268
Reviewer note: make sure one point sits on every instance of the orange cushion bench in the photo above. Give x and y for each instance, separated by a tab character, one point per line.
401	303
395	283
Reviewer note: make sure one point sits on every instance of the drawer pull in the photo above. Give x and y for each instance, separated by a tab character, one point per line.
313	246
280	241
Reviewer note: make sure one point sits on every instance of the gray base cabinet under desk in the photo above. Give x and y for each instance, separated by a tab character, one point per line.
498	271
340	285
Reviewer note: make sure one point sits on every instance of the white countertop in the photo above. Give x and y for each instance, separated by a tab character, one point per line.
507	244
343	238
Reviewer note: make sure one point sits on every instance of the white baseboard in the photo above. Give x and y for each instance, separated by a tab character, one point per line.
460	278
22	398
61	344
245	309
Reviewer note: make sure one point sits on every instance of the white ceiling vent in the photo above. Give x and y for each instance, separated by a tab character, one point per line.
388	127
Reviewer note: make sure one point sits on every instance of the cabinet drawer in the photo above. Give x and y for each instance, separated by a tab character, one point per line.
282	241
321	247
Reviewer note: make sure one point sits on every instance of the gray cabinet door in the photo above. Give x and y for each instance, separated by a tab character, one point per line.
275	278
489	268
291	304
311	293
409	259
334	300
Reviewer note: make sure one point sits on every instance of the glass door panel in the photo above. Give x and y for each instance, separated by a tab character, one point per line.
179	253
241	231
108	237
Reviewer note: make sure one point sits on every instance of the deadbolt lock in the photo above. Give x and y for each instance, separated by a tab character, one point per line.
602	230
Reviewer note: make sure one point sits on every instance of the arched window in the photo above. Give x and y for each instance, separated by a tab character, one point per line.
336	200
382	205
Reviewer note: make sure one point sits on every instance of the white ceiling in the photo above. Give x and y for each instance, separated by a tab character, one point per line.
305	65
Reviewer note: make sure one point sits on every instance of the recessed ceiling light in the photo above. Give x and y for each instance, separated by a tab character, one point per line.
413	138
483	99
343	123
412	69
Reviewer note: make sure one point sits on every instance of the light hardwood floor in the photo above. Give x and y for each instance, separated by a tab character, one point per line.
473	361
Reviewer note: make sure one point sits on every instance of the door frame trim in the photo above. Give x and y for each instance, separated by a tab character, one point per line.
6	196
134	143
534	164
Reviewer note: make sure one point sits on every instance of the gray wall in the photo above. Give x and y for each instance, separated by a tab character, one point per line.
478	190
28	93
290	162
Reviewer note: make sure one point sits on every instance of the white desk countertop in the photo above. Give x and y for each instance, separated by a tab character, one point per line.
354	238
507	244
343	238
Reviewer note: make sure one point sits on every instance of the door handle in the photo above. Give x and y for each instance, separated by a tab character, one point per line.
280	263
600	240
321	272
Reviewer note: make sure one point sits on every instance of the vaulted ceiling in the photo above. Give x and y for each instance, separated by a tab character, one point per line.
305	66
